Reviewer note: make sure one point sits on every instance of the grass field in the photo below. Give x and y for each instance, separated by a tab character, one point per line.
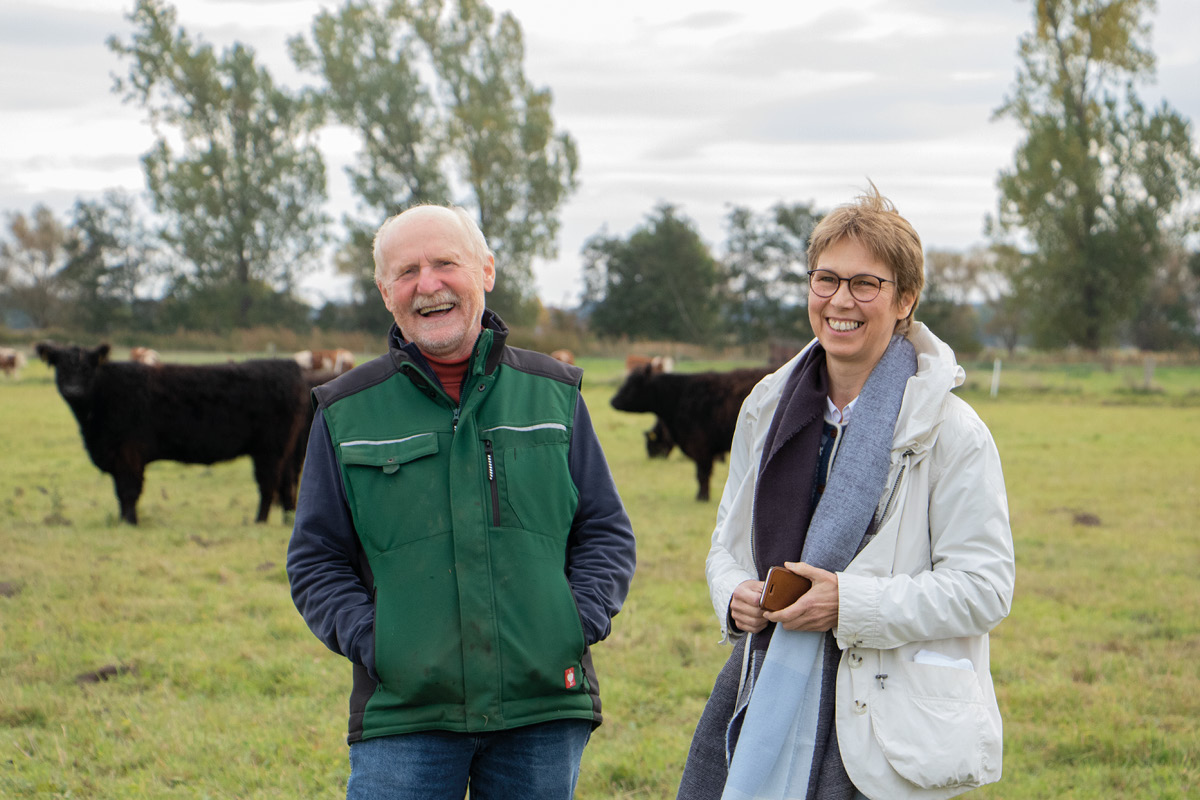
167	660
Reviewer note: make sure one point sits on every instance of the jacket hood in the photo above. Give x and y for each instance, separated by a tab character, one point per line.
937	374
927	392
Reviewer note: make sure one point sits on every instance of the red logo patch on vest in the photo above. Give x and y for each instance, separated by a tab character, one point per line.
569	678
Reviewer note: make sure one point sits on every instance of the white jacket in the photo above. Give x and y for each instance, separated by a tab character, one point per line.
937	576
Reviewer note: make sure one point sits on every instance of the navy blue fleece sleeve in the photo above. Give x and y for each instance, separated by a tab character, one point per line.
601	550
324	562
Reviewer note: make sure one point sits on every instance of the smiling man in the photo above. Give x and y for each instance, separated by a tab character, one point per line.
458	537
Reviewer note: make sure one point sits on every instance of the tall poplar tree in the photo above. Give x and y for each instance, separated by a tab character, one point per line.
1098	179
438	95
235	170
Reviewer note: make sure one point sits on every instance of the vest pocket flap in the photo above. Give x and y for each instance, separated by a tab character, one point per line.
389	454
507	436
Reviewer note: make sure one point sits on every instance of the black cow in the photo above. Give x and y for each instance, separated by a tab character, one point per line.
699	410
130	414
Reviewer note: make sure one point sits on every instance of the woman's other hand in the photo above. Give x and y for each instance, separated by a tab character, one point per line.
744	609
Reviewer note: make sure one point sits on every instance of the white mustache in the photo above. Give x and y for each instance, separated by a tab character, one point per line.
435	299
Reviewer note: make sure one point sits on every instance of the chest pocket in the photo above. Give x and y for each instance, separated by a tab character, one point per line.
529	477
384	476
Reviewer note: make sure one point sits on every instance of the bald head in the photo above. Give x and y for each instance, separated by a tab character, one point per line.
450	215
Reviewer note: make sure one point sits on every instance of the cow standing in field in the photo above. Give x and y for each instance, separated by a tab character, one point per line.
655	363
338	360
563	355
11	362
145	355
699	410
130	414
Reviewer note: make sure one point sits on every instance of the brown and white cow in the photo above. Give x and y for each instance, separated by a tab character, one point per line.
144	355
656	364
11	361
337	360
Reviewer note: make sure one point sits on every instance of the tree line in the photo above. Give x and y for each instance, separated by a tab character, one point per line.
1093	241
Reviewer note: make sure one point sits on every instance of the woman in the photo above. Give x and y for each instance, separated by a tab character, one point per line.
875	683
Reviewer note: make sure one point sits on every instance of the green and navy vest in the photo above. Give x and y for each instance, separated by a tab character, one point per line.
463	512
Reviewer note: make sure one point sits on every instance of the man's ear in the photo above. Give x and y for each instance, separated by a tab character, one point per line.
489	273
387	302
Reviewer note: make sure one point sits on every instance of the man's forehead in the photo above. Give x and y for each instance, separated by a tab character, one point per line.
428	236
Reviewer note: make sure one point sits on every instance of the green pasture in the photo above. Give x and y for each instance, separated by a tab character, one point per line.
166	660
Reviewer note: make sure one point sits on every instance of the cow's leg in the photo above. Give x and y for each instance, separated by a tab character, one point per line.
128	483
703	474
289	476
266	474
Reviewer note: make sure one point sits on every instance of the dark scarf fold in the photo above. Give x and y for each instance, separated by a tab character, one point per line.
786	527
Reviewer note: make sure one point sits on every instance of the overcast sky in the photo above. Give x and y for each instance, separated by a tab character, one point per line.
700	104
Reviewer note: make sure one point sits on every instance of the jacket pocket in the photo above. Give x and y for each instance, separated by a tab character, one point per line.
529	479
932	725
540	633
388	454
381	474
418	652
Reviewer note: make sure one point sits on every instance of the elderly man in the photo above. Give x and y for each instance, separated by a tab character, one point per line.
458	537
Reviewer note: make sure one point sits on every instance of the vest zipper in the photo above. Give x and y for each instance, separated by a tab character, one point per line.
491	468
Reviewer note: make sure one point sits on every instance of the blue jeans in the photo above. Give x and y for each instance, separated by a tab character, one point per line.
536	762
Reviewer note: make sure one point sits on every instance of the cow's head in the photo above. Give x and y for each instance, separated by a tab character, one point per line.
659	443
74	367
633	394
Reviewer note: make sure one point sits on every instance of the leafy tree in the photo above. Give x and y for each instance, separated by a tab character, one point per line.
660	283
369	60
765	260
1007	295
951	279
438	95
235	170
113	256
206	307
1098	176
1170	319
31	265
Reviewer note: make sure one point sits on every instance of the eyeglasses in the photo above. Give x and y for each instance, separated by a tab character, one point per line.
863	288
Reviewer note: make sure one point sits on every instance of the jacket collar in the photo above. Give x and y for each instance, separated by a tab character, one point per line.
485	357
938	373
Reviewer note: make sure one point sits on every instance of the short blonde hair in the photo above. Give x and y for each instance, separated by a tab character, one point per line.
474	236
873	222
